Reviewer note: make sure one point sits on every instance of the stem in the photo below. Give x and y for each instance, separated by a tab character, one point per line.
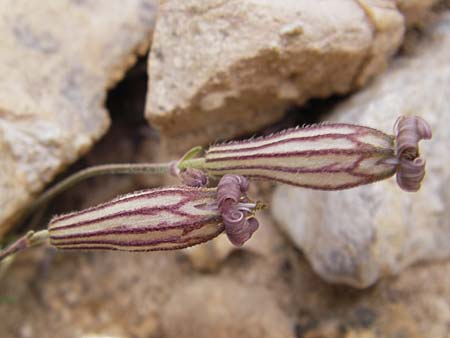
125	168
30	239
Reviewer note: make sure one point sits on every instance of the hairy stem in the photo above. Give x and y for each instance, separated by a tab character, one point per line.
125	168
28	240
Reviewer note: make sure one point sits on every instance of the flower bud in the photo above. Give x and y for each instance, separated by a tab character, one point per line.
330	156
158	219
326	156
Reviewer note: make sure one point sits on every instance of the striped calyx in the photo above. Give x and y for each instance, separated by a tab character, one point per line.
158	219
327	156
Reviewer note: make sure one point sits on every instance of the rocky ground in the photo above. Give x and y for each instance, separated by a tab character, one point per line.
220	70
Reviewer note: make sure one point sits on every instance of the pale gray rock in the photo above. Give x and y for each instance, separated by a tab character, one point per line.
360	235
57	59
219	68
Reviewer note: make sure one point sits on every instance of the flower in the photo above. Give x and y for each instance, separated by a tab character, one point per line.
160	219
236	209
329	156
411	168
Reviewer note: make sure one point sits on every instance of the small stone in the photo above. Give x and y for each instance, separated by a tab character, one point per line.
359	235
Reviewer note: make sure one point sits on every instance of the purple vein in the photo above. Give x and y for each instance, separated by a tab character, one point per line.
149	195
127	230
285	141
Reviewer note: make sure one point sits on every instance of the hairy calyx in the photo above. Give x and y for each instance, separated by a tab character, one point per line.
160	219
330	156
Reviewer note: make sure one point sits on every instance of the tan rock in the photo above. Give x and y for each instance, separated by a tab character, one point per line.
222	68
220	307
359	235
57	59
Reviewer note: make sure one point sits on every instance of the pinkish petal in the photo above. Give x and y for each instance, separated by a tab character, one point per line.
238	228
411	168
230	188
410	174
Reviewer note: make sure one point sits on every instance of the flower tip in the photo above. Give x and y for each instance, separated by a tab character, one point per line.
242	232
424	128
413	126
410	174
231	188
409	130
236	212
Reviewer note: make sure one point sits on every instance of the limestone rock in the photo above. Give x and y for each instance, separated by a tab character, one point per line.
222	68
217	307
57	59
359	235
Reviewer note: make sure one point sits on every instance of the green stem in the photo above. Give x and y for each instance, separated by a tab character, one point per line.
125	168
28	240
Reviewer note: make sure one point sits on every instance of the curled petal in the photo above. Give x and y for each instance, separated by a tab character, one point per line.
238	228
409	131
230	190
233	217
410	174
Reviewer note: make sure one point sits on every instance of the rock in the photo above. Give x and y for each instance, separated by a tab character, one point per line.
218	69
360	235
57	59
220	307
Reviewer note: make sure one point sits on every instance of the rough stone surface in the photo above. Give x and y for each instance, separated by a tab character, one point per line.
359	235
221	307
222	68
57	59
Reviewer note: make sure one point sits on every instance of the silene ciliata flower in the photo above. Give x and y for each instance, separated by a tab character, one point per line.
160	219
327	156
330	156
